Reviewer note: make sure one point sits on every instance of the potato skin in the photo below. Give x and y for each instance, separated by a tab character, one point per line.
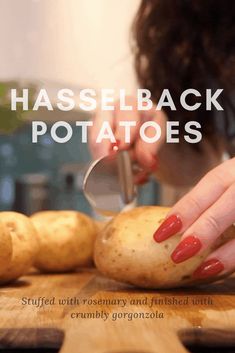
66	240
6	248
24	244
126	251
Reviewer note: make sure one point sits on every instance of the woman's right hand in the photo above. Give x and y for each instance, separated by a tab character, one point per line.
145	154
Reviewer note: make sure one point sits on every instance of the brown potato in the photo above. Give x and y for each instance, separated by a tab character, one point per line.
6	248
24	244
126	251
100	225
66	240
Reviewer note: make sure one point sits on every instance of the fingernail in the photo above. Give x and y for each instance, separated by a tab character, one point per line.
208	268
169	227
115	146
141	179
186	249
154	164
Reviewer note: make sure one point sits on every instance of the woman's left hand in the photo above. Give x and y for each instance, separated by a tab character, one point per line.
202	216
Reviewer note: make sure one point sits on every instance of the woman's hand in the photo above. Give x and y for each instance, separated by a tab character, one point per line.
142	152
202	216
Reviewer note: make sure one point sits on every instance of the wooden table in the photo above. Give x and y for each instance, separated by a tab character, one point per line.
203	315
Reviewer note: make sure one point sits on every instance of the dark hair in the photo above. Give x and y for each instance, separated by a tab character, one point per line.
181	44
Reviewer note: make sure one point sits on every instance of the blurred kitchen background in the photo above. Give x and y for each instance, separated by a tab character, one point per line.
58	44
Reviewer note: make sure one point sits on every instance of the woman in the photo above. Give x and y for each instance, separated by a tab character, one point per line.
181	44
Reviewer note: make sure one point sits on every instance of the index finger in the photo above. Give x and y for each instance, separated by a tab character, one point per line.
146	153
99	150
187	210
126	135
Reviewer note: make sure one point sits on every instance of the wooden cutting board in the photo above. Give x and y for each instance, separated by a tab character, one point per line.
204	315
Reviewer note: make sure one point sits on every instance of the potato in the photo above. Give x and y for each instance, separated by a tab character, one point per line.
6	248
24	245
66	240
126	251
100	225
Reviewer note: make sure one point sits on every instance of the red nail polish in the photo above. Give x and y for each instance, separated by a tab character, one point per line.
169	227
115	146
186	249
141	177
154	165
208	268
